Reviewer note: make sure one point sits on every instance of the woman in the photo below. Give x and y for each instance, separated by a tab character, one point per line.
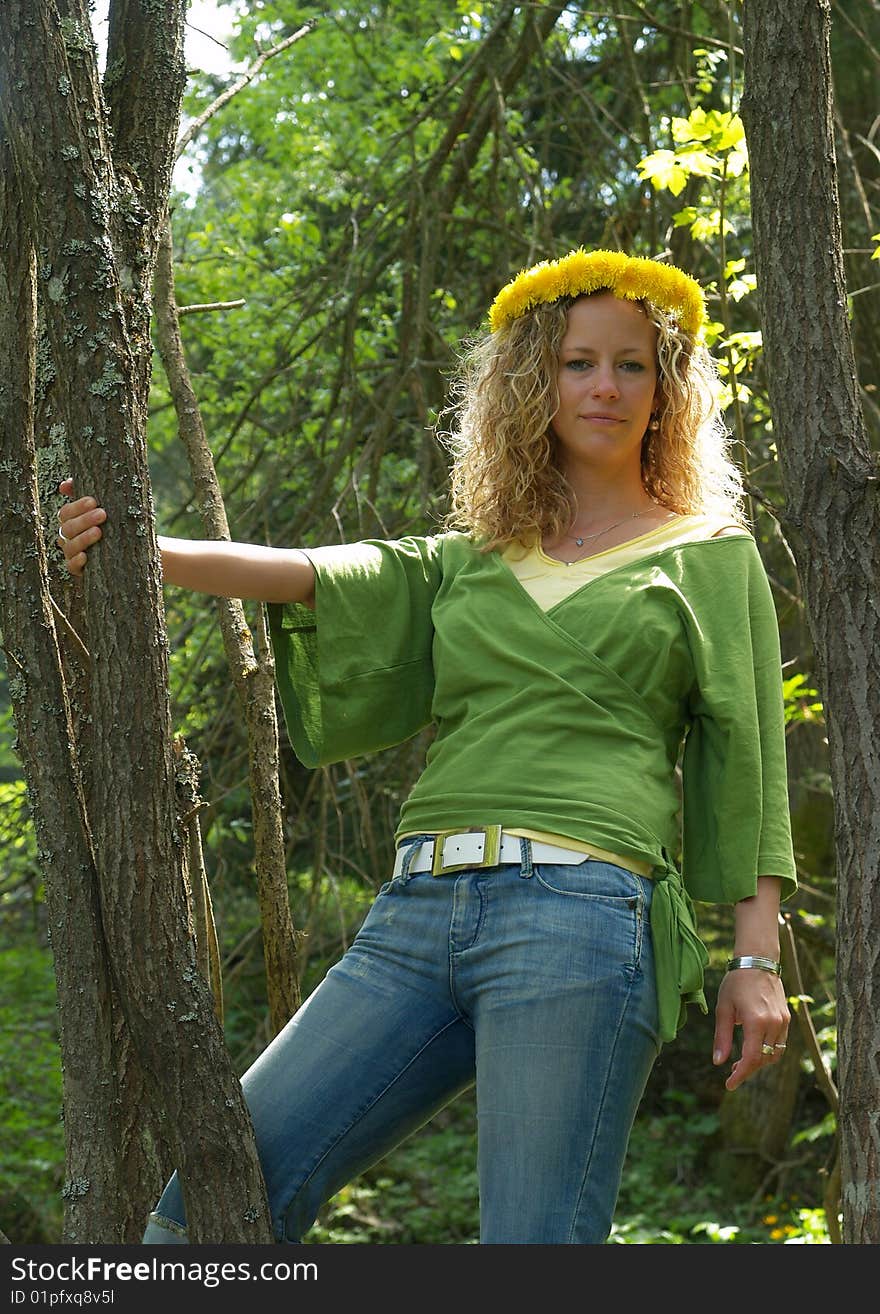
536	935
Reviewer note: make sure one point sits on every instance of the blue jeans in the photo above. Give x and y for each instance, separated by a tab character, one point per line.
535	981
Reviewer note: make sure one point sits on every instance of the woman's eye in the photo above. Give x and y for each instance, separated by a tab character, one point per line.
633	366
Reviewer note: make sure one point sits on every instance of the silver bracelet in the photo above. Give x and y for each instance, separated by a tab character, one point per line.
755	960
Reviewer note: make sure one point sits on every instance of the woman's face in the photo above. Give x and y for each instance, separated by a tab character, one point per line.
608	385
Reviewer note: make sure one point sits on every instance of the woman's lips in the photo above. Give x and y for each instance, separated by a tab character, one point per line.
601	419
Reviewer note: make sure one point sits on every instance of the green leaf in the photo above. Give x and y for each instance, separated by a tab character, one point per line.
726	398
663	171
682	218
715	1232
730	132
737	162
826	1127
693	128
709	225
699	163
741	287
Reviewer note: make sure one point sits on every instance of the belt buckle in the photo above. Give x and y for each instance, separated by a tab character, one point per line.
491	849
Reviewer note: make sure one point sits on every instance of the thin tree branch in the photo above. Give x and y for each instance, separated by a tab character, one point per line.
78	643
653	21
253	678
211	305
805	1020
240	83
841	12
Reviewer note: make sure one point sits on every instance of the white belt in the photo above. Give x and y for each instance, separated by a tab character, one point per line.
481	846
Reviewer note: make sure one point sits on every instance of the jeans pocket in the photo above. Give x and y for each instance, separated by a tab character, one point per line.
607	902
590	879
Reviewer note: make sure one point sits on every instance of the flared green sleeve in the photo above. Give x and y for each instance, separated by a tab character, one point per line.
736	822
356	674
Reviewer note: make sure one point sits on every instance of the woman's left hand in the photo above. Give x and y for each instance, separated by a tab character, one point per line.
755	1000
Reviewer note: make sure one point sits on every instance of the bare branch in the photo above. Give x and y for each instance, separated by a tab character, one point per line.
240	83
253	676
211	305
805	1020
653	21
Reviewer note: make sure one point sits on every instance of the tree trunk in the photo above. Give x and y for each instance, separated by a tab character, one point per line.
93	215
831	516
100	1073
254	679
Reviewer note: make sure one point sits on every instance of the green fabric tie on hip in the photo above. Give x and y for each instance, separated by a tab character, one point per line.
680	956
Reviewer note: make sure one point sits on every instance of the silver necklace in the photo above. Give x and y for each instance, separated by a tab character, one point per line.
582	538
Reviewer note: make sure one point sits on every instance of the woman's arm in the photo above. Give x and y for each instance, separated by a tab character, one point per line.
757	921
227	570
238	570
751	997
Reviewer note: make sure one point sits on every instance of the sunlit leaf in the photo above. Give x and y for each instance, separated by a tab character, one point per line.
663	171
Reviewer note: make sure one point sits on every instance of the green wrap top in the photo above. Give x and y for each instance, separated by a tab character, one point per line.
570	721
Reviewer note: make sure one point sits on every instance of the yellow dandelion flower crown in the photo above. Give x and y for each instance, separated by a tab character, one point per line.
629	277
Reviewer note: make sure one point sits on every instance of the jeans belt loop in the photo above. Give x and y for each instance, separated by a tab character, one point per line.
415	843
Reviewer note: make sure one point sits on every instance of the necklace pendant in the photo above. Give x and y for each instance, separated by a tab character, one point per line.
579	541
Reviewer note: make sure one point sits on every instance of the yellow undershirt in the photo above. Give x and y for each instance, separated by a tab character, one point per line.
549	581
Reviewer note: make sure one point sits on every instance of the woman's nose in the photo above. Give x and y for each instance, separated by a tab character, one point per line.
603	383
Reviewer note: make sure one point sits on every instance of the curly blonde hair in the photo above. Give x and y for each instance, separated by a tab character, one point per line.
506	483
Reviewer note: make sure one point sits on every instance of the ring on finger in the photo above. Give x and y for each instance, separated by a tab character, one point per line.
768	1049
780	1045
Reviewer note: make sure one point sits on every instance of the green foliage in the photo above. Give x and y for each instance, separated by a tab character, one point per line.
667	1195
811	1229
31	1132
17	842
794	1225
801	702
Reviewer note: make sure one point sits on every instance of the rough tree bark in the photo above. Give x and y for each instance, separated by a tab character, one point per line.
100	1072
92	212
831	517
